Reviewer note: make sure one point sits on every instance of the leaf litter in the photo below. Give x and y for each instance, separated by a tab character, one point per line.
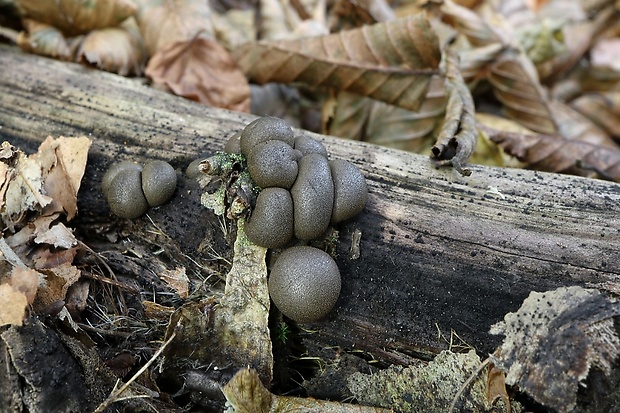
517	52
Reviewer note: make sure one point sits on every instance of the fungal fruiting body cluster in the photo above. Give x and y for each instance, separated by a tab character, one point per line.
131	189
303	193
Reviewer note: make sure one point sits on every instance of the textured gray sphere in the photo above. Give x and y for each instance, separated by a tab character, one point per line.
273	163
125	196
350	190
159	181
233	144
306	145
304	283
271	223
113	170
265	129
313	197
192	170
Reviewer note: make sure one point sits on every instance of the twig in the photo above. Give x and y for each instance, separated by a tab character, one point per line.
9	255
115	395
467	383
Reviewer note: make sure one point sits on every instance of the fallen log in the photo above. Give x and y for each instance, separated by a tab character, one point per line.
439	253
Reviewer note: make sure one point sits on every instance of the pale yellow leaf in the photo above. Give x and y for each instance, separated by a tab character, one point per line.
78	16
12	306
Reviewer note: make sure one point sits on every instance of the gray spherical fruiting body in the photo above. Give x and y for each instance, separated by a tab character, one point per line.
350	190
306	145
113	171
233	144
125	196
313	197
304	283
193	170
273	163
271	223
159	181
265	129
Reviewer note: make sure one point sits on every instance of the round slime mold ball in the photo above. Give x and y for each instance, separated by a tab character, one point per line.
304	283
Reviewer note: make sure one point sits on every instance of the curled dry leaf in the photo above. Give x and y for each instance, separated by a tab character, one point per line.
43	39
163	23
554	340
75	17
356	117
554	153
516	84
392	62
247	394
177	280
457	137
201	70
62	161
114	49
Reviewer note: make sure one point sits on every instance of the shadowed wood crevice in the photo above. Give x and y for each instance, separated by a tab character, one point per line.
439	251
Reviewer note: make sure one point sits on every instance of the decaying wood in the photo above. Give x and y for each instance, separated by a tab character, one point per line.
438	252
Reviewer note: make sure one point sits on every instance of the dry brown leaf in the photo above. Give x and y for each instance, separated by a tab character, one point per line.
163	23
63	161
516	85
43	39
57	281
203	71
115	49
458	135
601	108
234	28
356	117
17	294
606	53
496	387
553	341
177	280
392	62
58	236
555	153
12	306
24	191
280	19
44	258
247	394
25	281
76	16
574	126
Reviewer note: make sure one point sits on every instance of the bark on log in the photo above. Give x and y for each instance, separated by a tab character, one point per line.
438	251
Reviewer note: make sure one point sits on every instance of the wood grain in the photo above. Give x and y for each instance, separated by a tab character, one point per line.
439	251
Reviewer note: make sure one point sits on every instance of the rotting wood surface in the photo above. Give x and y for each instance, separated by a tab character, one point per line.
437	251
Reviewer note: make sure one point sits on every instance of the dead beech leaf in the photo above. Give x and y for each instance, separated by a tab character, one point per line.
247	394
63	161
59	236
203	71
392	62
496	387
43	39
457	138
516	84
114	49
25	280
57	281
553	341
74	17
12	306
554	153
603	109
177	280
369	120
574	126
163	23
24	191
